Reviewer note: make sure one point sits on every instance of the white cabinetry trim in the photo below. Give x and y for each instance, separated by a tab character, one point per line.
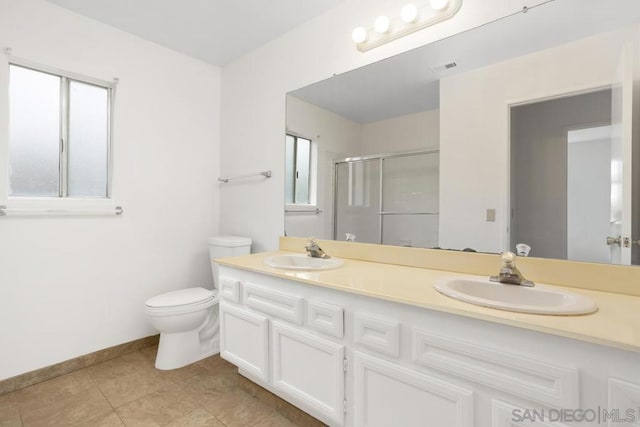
284	306
623	395
377	333
325	318
504	414
531	379
252	356
230	289
321	392
461	397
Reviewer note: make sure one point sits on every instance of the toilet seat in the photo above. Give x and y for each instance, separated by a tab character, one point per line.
180	301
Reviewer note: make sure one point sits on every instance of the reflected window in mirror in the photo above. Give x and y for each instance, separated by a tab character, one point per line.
299	180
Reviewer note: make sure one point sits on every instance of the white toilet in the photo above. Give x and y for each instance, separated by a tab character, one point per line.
188	318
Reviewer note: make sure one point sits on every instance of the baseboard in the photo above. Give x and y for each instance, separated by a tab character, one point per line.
48	372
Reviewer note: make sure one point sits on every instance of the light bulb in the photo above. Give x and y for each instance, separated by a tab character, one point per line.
409	13
359	35
381	24
439	4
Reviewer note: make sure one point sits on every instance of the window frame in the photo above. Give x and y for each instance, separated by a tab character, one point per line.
312	171
66	77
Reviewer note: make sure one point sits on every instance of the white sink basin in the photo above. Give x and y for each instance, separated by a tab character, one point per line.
302	262
540	299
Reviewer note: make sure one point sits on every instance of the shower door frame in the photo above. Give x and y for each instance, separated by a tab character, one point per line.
381	212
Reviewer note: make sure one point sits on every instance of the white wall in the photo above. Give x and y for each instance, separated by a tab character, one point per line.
406	133
70	286
474	130
253	99
335	137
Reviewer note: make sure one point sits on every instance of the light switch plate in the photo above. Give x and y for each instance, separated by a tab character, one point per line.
491	215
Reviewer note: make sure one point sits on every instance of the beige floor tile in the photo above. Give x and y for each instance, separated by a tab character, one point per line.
276	420
49	392
70	411
210	385
119	367
150	352
216	364
160	408
198	418
183	374
123	389
110	420
9	411
295	415
238	409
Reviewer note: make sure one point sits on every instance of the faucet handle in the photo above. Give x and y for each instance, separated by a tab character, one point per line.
508	258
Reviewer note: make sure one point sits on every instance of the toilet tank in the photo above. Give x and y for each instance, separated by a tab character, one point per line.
226	246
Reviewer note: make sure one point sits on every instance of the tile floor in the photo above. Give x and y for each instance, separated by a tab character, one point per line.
129	391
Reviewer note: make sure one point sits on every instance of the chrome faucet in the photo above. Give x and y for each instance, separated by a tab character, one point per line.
315	251
509	273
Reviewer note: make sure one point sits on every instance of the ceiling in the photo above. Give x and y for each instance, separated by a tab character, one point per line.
409	82
216	31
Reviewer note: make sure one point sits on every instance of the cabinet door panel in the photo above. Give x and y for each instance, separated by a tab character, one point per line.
309	370
390	395
244	340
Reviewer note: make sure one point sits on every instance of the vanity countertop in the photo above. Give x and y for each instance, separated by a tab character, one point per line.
615	324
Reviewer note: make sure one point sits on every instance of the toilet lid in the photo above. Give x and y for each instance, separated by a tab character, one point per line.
180	297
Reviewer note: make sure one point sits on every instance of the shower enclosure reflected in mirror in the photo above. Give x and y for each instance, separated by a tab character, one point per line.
519	131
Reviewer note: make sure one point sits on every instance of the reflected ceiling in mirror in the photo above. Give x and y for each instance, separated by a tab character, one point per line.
415	150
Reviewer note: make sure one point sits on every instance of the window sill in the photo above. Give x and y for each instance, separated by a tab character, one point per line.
293	209
45	206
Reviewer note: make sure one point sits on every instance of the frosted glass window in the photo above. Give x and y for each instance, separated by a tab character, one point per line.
298	170
34	133
59	138
88	140
290	167
303	170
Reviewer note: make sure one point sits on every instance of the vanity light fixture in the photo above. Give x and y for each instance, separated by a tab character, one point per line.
359	35
439	4
382	24
409	13
412	18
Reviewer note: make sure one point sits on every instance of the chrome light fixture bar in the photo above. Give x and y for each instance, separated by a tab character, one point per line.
411	19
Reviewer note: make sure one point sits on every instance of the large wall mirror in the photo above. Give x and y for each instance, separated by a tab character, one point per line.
522	134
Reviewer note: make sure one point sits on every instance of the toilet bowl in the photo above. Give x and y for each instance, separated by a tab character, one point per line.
187	319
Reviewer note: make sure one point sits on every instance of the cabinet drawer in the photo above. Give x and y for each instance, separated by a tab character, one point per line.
244	340
521	376
325	318
278	304
380	334
229	289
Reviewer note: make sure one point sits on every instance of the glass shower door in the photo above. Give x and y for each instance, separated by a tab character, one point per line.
357	200
410	200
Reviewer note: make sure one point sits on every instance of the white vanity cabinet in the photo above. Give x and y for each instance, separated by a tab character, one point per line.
261	334
351	360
